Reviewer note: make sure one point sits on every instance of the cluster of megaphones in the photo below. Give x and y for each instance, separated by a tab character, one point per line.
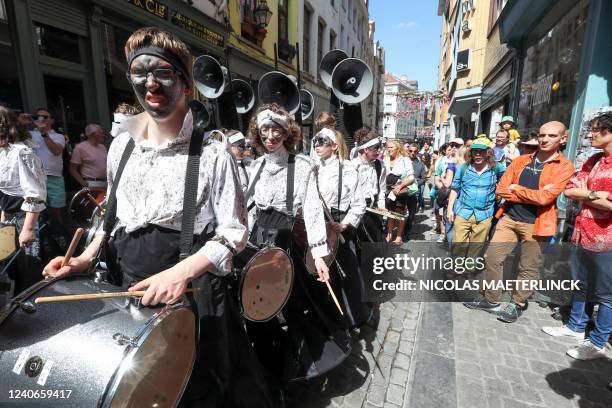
350	80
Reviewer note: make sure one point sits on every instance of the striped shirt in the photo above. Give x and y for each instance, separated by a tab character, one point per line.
476	191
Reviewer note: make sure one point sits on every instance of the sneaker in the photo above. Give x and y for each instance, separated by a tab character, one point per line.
441	239
586	351
511	313
483	304
562	331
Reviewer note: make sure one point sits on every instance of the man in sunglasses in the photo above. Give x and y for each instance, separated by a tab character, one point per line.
50	147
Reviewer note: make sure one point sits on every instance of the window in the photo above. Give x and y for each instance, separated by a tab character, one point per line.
249	24
320	44
333	3
10	93
306	40
496	8
118	88
56	43
332	40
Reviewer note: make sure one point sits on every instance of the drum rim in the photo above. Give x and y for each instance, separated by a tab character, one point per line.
91	191
242	276
12	225
141	335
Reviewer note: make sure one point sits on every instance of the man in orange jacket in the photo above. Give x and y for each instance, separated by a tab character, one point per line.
530	187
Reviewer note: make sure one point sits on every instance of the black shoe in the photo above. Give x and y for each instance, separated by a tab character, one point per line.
483	304
511	312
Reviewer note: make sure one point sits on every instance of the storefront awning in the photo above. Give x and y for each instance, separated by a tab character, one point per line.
465	101
518	17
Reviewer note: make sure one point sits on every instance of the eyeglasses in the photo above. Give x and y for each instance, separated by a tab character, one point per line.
42	117
161	75
455	145
321	141
412	151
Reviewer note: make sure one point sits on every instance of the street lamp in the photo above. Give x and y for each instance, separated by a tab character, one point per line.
263	14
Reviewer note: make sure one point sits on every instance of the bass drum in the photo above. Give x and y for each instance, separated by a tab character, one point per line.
332	244
8	240
265	282
104	352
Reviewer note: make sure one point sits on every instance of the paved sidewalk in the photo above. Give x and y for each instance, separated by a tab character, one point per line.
377	372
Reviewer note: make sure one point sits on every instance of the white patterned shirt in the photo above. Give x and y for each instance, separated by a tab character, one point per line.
352	198
271	193
153	183
22	175
371	184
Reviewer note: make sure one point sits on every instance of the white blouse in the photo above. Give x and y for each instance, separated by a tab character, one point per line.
352	198
371	184
402	167
22	175
153	183
271	191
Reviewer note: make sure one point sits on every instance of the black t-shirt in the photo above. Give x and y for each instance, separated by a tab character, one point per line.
530	178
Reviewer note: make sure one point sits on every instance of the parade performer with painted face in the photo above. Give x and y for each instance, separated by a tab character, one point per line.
282	190
341	192
149	187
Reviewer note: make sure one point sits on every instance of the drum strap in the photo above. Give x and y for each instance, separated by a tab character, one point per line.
251	188
111	211
339	184
191	192
290	184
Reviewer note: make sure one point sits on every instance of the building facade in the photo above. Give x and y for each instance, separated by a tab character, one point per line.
399	118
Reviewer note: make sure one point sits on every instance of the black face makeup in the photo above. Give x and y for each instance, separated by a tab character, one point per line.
158	95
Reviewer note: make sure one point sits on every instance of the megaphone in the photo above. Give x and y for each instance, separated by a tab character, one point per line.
352	80
201	115
244	97
276	87
208	76
306	103
328	63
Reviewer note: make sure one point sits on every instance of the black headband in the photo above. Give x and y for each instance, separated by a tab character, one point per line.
169	56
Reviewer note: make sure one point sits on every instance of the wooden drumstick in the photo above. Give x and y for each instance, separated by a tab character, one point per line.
91	296
93	200
75	240
331	292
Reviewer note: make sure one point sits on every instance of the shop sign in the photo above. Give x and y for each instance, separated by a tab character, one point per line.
197	29
541	91
154	7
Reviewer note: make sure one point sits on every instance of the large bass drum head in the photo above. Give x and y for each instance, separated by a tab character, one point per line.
155	373
266	284
8	241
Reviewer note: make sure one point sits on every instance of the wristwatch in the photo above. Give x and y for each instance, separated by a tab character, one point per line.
593	196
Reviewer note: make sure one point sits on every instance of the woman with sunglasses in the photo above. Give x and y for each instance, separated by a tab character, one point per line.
372	176
338	183
400	175
281	189
22	196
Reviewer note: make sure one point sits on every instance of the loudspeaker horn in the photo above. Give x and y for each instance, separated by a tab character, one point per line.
201	115
352	80
306	103
328	63
276	87
244	97
208	76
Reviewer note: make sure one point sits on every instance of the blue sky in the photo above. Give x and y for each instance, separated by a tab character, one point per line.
409	30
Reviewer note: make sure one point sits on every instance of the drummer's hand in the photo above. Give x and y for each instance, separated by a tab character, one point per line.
54	268
322	269
165	287
27	236
338	227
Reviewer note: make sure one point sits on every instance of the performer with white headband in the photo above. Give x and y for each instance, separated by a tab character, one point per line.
282	189
338	182
372	177
237	143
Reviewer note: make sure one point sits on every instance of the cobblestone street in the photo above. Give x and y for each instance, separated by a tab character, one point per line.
424	354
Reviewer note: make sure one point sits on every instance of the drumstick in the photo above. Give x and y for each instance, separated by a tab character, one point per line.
331	292
90	296
75	240
93	200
